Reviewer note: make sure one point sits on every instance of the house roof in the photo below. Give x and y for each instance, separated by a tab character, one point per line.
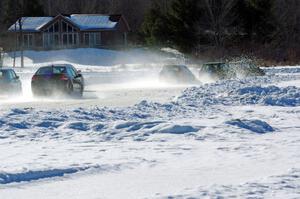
83	21
93	22
31	24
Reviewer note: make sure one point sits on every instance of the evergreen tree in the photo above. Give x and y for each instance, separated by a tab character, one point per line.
182	24
11	11
32	8
176	27
155	27
256	18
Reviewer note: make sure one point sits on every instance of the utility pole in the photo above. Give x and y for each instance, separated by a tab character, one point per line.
1	57
20	22
16	34
16	44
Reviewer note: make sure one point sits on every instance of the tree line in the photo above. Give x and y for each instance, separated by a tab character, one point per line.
267	28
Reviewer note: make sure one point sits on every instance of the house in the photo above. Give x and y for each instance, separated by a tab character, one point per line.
71	31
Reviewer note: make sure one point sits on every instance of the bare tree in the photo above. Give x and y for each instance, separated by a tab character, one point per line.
218	15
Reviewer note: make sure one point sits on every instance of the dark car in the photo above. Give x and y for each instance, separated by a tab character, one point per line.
221	70
9	82
57	79
217	70
177	74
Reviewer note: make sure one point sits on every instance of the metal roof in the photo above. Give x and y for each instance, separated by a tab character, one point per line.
93	22
31	24
83	21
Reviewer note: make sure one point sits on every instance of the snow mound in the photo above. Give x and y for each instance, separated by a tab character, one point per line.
32	175
272	95
7	178
256	126
135	126
177	129
236	92
80	126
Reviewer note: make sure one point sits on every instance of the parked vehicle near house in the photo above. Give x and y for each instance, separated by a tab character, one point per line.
10	83
177	74
57	80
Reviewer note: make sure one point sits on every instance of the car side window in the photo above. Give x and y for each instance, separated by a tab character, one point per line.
71	72
10	75
14	75
74	71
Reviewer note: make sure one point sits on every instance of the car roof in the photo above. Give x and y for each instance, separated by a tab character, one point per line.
175	65
208	63
5	69
57	65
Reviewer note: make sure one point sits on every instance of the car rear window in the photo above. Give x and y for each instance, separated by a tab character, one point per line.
51	70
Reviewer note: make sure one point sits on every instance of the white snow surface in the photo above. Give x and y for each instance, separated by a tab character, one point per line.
228	139
87	58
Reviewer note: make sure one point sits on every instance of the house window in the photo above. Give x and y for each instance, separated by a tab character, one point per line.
65	39
86	39
56	39
70	29
70	39
92	39
56	27
69	35
60	33
97	38
64	26
27	40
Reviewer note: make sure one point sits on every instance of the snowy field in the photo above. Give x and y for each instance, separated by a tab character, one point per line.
143	139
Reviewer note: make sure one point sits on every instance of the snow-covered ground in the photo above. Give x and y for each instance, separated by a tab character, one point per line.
229	139
88	58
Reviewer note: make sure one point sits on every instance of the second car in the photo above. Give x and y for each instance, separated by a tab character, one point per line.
57	79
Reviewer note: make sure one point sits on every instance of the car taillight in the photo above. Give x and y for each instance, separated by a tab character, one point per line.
34	77
63	77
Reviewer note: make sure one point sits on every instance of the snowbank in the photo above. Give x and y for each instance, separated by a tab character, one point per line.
206	142
256	126
241	92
